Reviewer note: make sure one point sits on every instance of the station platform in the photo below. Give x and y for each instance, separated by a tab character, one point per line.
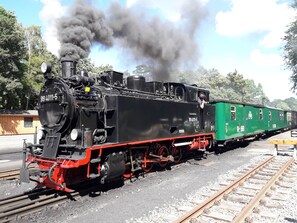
290	140
14	143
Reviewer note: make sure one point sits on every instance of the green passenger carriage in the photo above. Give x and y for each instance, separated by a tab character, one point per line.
235	120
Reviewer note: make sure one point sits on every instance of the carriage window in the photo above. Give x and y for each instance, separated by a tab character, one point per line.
261	114
233	113
269	115
281	116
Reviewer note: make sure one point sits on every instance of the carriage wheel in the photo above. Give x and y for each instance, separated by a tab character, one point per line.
177	154
164	152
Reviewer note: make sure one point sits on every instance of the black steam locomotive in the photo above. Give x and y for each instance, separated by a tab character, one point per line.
104	127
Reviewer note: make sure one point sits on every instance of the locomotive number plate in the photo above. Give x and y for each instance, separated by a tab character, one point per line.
49	98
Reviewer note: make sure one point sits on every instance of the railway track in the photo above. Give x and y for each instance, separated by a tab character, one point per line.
15	207
255	196
9	174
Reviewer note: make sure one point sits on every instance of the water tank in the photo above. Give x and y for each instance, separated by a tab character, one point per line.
136	82
154	87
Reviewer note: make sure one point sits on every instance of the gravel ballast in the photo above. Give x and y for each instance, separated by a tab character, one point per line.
160	196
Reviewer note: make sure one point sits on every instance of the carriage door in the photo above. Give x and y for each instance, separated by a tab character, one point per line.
269	120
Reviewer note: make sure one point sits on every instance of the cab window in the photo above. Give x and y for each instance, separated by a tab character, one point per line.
193	95
179	93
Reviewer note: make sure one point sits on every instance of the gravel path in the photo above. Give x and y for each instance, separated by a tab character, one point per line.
160	196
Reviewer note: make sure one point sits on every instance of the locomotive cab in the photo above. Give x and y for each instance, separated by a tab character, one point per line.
193	93
176	90
184	92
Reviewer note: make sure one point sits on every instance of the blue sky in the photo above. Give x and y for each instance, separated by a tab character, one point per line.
236	34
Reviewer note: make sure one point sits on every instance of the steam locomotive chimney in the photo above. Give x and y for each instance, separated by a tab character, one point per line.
68	68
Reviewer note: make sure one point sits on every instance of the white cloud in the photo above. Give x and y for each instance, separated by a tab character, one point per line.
269	70
275	82
256	16
265	60
51	11
168	8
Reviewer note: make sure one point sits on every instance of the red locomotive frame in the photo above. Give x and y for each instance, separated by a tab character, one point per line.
64	172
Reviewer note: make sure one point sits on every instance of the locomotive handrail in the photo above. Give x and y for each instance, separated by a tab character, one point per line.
141	92
61	146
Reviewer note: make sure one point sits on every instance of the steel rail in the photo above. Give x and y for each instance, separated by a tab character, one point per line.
16	206
25	195
22	209
248	209
220	194
9	174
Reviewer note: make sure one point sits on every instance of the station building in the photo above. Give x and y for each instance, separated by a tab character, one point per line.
15	122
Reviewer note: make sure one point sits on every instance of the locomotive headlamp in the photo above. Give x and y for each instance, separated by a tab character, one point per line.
75	134
46	67
87	89
40	134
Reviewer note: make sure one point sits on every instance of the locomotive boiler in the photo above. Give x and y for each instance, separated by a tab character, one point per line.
106	127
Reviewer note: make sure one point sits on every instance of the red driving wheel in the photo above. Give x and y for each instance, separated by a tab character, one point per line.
177	154
147	166
164	152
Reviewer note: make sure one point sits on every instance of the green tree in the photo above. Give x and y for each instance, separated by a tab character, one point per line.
144	70
218	84
12	58
283	105
238	84
290	49
288	103
36	54
278	103
233	87
292	103
102	68
254	93
93	70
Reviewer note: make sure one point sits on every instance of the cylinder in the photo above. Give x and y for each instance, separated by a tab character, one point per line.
136	82
68	68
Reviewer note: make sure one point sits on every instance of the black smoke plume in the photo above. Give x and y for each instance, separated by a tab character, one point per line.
160	44
78	31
